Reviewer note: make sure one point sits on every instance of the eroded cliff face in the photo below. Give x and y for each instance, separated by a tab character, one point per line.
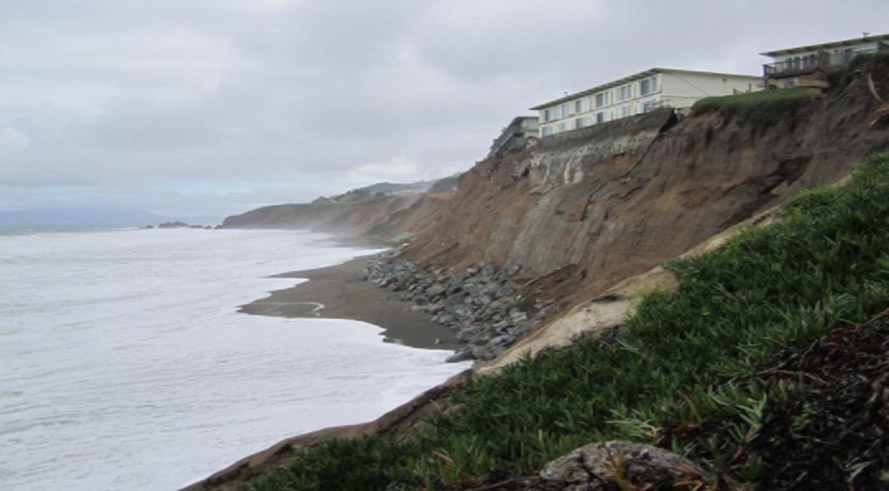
381	218
612	201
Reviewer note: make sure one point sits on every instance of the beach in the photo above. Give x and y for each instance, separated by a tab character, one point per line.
337	292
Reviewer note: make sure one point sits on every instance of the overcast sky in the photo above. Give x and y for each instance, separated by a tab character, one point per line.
211	107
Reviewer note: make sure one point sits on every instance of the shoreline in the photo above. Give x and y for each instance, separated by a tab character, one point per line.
344	295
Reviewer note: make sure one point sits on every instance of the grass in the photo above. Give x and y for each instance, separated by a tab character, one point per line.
673	366
760	109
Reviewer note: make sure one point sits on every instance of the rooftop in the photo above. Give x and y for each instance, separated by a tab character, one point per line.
833	44
631	78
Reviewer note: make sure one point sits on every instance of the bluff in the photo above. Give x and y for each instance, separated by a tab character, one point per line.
604	203
380	211
589	217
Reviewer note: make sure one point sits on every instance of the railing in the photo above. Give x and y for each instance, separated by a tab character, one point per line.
822	60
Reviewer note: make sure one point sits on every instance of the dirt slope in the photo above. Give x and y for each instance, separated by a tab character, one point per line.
615	200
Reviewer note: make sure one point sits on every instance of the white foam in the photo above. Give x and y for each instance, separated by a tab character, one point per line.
124	364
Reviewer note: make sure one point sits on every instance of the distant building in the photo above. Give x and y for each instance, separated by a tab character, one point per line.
637	94
795	66
520	133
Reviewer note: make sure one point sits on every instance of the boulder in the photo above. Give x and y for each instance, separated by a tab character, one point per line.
624	465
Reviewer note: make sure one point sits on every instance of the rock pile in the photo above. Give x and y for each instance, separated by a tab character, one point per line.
483	305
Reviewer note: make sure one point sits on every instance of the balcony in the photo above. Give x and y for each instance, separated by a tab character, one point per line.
820	61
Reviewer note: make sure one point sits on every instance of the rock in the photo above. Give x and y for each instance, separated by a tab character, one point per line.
505	291
462	355
468	333
599	466
436	290
444	319
517	316
481	353
503	341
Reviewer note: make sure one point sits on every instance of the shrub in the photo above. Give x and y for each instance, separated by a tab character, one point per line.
760	109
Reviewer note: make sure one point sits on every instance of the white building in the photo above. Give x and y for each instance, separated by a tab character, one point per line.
637	94
791	65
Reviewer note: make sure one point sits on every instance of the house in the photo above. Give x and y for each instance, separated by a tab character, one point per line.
797	66
520	133
637	94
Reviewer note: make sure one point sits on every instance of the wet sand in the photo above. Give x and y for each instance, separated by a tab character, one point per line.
344	296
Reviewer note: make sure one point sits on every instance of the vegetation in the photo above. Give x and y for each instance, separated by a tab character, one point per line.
760	109
685	360
862	62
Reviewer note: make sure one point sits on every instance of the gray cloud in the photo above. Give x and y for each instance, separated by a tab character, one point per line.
149	104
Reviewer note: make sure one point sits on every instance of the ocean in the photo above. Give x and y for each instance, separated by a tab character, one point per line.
124	363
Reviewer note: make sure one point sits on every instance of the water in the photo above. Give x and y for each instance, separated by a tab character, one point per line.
124	364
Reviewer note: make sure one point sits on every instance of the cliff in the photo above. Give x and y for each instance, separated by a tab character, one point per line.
612	201
380	211
699	362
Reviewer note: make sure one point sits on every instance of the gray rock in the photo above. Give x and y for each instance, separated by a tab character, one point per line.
436	290
599	466
503	341
505	291
517	316
468	333
462	355
482	353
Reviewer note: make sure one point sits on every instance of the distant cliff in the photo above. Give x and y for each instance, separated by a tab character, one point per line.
380	211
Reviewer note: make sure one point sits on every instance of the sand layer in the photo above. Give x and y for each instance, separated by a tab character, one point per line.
336	292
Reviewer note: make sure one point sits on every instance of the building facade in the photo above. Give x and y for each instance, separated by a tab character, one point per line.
637	94
520	133
791	66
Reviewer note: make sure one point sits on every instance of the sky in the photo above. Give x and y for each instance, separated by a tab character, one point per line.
214	107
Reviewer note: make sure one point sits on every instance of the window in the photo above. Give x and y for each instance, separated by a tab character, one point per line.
600	117
648	86
581	122
546	116
561	126
624	93
648	106
546	131
625	111
602	99
582	105
563	110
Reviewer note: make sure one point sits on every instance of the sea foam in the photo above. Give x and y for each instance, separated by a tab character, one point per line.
124	363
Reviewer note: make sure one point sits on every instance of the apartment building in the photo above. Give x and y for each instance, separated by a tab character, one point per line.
637	94
794	66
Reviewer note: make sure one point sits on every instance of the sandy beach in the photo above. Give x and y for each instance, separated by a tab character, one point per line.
344	296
